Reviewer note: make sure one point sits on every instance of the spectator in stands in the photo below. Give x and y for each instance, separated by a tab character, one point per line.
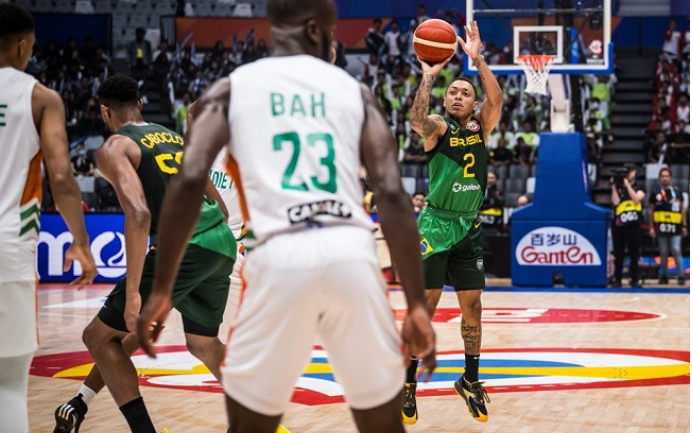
139	55
528	135
671	41
227	64
668	224
392	39
501	155
533	112
601	91
375	39
181	114
680	144
70	107
683	110
418	201
263	50
81	166
341	60
500	132
250	52
490	212
592	149
198	85
415	152
522	201
422	14
522	154
218	50
666	121
407	40
162	61
660	151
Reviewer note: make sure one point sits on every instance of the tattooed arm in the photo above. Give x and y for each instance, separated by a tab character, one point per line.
492	106
430	127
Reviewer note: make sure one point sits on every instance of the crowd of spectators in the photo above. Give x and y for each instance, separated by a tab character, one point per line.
668	133
180	75
393	73
76	72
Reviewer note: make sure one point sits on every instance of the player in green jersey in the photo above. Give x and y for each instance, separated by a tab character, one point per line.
139	159
450	231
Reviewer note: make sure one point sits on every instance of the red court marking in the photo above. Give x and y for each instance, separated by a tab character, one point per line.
540	315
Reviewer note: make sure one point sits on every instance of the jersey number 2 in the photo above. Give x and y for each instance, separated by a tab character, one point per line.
327	161
470	165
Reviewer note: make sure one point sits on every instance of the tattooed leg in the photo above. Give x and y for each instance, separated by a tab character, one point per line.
471	330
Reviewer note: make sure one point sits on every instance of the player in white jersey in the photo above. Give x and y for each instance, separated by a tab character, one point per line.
32	131
298	130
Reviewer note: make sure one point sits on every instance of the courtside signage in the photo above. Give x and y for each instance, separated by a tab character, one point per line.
556	246
107	239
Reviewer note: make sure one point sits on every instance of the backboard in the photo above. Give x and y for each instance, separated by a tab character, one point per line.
576	32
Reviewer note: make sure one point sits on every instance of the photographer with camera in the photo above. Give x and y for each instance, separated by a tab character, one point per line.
668	224
627	204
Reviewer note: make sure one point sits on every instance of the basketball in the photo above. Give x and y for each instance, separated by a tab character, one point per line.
434	41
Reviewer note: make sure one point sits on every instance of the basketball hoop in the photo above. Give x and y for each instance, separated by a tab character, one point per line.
537	68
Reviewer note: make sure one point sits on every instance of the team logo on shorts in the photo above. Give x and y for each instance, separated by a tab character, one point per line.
425	247
473	126
479	264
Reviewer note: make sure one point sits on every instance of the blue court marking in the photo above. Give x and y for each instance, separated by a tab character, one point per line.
653	290
457	363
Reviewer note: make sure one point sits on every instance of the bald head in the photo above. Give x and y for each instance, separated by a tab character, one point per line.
296	12
302	27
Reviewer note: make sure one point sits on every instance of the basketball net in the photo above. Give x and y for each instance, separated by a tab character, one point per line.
537	68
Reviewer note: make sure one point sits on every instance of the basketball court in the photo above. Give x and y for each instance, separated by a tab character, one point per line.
584	358
554	360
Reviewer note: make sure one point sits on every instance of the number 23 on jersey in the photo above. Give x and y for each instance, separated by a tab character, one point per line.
318	141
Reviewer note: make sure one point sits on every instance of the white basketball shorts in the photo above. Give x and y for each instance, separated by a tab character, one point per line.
18	318
319	286
235	287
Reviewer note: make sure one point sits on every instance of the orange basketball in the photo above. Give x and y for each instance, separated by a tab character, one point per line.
434	41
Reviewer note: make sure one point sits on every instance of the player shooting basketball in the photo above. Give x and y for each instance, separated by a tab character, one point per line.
451	241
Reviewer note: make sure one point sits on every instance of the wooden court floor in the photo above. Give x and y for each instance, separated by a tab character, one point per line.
554	361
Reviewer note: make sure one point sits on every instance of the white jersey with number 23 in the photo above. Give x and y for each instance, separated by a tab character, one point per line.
296	141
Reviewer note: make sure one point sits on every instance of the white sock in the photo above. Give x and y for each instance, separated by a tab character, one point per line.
87	393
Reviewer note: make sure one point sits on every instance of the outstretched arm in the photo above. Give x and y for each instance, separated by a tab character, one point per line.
492	106
430	127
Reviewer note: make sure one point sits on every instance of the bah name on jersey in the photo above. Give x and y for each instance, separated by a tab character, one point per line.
308	211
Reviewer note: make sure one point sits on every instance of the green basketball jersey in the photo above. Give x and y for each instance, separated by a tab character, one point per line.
162	152
458	168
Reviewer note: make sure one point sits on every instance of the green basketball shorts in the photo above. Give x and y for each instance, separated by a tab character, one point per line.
200	291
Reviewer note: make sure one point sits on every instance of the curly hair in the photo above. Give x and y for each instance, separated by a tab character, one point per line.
119	91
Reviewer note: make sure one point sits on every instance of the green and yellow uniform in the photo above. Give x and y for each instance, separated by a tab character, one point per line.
450	231
201	288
